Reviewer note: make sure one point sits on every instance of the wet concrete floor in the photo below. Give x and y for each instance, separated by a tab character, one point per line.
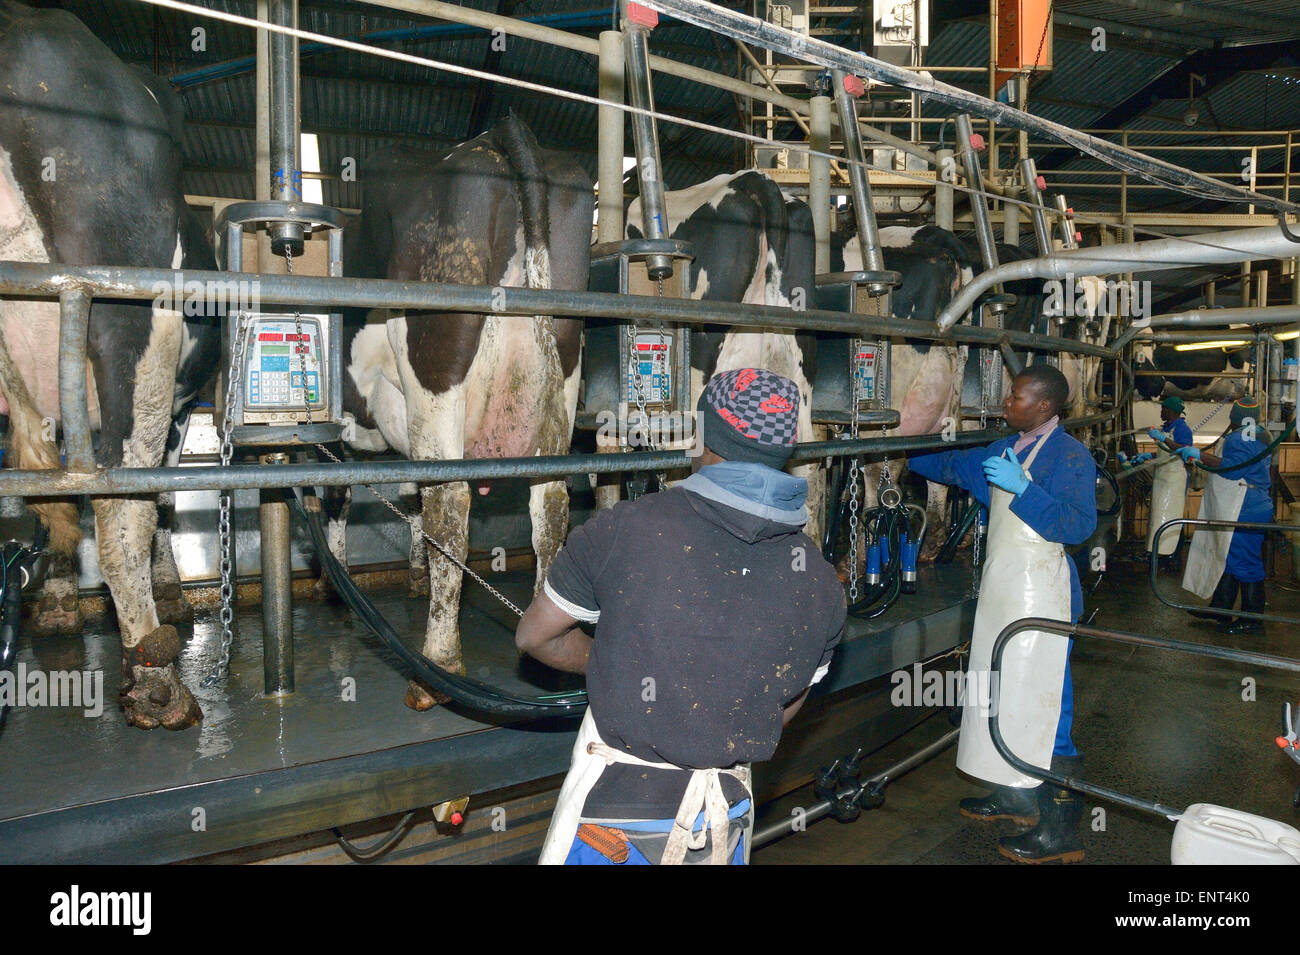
1175	728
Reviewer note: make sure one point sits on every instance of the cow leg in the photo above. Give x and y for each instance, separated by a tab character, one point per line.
436	432
936	518
548	501
815	474
169	597
335	503
58	611
152	693
417	574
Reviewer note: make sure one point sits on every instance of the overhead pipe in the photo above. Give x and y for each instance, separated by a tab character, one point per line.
1149	256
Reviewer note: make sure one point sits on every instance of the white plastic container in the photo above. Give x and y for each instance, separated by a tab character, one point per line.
1215	835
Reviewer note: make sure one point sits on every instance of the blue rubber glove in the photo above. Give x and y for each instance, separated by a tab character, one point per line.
1006	473
1189	453
1157	435
1144	456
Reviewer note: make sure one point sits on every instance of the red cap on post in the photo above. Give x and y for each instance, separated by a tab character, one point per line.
643	16
1078	237
854	86
1042	183
976	141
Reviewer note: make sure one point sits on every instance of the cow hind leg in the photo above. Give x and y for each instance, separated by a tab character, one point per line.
335	503
417	575
151	693
445	516
169	597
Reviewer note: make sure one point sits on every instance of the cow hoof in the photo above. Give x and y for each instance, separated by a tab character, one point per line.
152	693
58	617
172	604
421	697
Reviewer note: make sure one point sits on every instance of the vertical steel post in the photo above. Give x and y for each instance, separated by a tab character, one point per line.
1038	215
637	23
286	175
868	233
945	173
277	588
1068	238
609	215
74	325
978	200
819	179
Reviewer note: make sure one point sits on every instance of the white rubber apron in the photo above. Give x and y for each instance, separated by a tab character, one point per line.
1025	576
1220	501
703	794
1168	499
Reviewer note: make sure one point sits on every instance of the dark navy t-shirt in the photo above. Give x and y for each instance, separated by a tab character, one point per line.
708	621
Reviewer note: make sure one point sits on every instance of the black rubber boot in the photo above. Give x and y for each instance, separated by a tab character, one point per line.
1224	597
1056	837
1252	601
1005	802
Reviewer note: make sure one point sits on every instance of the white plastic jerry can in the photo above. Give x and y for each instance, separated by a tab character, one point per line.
1216	835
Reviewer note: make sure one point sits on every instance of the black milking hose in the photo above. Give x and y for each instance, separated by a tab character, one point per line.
462	689
958	534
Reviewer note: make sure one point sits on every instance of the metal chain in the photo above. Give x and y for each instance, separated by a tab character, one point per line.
855	478
234	383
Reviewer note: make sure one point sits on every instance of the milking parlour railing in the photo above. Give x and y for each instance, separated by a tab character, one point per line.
76	286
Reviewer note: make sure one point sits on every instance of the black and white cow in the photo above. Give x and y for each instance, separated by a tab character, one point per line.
753	246
925	377
90	173
1167	360
495	211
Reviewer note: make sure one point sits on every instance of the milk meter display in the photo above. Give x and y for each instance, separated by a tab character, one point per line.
276	388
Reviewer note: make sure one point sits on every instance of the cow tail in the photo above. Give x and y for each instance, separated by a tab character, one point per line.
33	450
524	156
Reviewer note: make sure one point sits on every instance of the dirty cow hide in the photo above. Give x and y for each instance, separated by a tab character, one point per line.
495	211
90	168
753	246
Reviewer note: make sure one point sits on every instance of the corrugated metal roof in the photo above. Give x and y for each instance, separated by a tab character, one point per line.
360	103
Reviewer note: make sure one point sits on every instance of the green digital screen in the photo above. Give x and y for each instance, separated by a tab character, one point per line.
275	349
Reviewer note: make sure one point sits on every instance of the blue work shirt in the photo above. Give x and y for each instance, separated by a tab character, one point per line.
1060	503
1237	450
1178	430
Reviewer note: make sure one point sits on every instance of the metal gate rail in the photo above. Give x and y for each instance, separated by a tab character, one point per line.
1116	636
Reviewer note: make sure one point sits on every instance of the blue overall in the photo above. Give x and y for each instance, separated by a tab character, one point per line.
1246	551
1059	505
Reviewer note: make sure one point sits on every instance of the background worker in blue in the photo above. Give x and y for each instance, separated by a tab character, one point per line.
1040	489
1239	491
1169	477
714	616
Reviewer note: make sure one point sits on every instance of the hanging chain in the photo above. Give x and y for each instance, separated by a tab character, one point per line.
234	383
855	478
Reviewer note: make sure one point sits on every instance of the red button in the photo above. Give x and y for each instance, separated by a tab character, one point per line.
457	819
